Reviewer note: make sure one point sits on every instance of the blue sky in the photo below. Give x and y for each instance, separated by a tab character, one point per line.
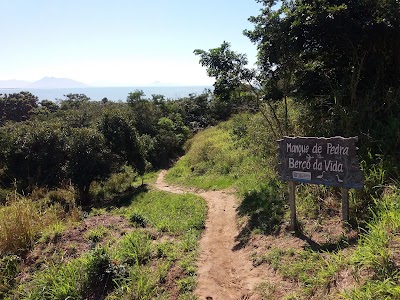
119	42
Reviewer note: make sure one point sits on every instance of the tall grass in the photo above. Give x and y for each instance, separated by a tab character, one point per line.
217	159
23	220
378	252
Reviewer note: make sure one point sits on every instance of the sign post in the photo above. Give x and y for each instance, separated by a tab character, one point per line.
318	160
292	203
345	205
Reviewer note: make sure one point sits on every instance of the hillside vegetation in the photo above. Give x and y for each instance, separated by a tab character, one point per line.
358	263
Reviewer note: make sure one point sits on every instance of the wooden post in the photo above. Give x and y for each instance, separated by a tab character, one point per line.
345	206
292	202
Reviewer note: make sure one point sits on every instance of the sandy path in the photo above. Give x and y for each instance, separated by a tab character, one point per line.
223	273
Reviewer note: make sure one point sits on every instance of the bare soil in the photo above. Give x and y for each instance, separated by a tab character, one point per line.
227	268
72	242
225	271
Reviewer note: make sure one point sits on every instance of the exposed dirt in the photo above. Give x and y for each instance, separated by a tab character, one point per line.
73	242
231	269
225	271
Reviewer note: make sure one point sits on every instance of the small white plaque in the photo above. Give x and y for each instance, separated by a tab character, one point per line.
302	175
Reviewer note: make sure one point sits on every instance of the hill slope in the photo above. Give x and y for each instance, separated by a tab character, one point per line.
323	260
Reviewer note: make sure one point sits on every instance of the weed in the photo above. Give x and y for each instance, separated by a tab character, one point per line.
186	284
189	240
57	282
135	248
52	233
97	212
187	263
100	273
264	207
142	284
138	220
96	235
9	268
168	250
274	258
266	289
374	250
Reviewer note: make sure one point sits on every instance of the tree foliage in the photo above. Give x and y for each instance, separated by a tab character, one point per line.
81	141
122	138
88	159
231	77
340	56
33	154
17	107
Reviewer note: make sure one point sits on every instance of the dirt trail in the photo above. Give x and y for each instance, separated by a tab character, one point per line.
223	272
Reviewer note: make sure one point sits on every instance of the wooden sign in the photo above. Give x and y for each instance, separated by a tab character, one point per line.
328	161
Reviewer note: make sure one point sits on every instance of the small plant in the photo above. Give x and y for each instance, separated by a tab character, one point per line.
21	221
53	232
142	284
187	284
168	250
100	273
135	248
96	235
267	289
9	267
138	220
274	258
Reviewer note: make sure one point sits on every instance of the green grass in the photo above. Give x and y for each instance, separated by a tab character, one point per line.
9	269
136	266
377	252
373	262
215	161
166	212
240	154
96	234
23	221
232	155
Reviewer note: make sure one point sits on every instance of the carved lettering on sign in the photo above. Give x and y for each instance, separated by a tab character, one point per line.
328	161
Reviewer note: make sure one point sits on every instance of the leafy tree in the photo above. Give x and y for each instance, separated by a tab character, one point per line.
171	136
196	111
17	107
135	97
230	72
146	112
74	101
49	105
122	138
33	154
342	57
89	159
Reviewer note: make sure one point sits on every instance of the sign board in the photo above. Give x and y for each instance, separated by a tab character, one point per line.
317	160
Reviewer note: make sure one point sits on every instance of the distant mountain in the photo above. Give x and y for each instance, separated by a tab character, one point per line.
14	84
52	82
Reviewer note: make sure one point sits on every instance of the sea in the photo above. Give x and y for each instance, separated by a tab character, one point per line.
112	93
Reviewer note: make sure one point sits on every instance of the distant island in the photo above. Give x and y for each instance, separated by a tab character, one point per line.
44	83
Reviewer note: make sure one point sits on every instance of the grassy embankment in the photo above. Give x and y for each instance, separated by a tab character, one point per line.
333	263
140	246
